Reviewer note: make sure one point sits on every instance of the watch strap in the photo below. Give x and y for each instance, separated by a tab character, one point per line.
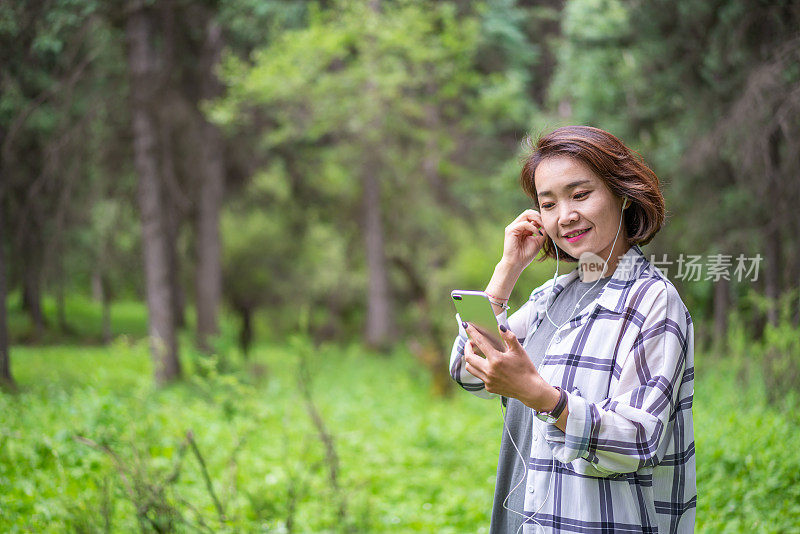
560	405
553	415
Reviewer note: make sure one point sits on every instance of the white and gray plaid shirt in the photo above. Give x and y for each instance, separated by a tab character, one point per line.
626	462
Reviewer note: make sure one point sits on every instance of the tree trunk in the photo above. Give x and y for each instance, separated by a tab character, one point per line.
772	271
379	326
6	380
721	308
31	284
61	307
379	320
101	292
174	198
106	300
772	239
208	276
178	297
795	278
142	63
97	283
246	329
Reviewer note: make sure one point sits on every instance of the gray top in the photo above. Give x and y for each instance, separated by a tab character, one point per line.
510	469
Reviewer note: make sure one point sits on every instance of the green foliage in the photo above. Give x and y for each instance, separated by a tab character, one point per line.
407	461
596	75
403	94
747	463
774	360
67	183
253	22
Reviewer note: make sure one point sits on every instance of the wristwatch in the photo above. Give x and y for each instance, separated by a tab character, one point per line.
553	415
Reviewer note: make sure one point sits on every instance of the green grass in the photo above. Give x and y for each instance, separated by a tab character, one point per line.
84	318
409	461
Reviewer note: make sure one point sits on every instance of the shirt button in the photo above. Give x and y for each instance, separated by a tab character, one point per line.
530	489
536	437
557	339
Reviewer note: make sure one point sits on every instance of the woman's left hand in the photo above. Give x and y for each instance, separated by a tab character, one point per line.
510	373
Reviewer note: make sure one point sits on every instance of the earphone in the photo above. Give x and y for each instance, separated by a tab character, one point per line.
625	204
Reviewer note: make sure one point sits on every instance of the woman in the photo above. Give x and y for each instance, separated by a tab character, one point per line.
597	377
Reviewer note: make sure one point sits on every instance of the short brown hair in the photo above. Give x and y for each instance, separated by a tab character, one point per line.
621	169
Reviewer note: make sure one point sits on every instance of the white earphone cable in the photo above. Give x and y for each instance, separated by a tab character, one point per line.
532	517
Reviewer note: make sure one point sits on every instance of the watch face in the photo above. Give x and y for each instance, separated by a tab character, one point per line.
546	417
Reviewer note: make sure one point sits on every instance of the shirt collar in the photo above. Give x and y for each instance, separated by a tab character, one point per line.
612	296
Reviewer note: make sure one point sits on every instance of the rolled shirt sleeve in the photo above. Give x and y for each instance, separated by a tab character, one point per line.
629	430
457	369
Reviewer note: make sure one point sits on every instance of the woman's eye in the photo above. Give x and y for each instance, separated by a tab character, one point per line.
582	195
546	206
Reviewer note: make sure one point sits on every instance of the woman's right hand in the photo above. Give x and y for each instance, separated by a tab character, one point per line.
524	239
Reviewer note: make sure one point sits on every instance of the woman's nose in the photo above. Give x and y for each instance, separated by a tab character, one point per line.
566	215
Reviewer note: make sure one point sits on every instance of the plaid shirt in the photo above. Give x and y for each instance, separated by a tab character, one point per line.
626	461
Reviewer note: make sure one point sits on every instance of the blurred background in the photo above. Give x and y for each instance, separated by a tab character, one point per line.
229	230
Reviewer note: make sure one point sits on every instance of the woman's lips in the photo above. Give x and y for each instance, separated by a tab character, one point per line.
577	237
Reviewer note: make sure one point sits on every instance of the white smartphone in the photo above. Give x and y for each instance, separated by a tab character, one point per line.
474	307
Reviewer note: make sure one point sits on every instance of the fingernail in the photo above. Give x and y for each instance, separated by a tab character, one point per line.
464	324
503	328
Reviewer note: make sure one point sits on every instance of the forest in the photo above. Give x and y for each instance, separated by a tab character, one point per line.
229	230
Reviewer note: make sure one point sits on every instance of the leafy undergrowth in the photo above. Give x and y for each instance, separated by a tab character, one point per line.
748	462
89	444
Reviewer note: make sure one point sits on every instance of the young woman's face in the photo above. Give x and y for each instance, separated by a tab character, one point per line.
572	198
